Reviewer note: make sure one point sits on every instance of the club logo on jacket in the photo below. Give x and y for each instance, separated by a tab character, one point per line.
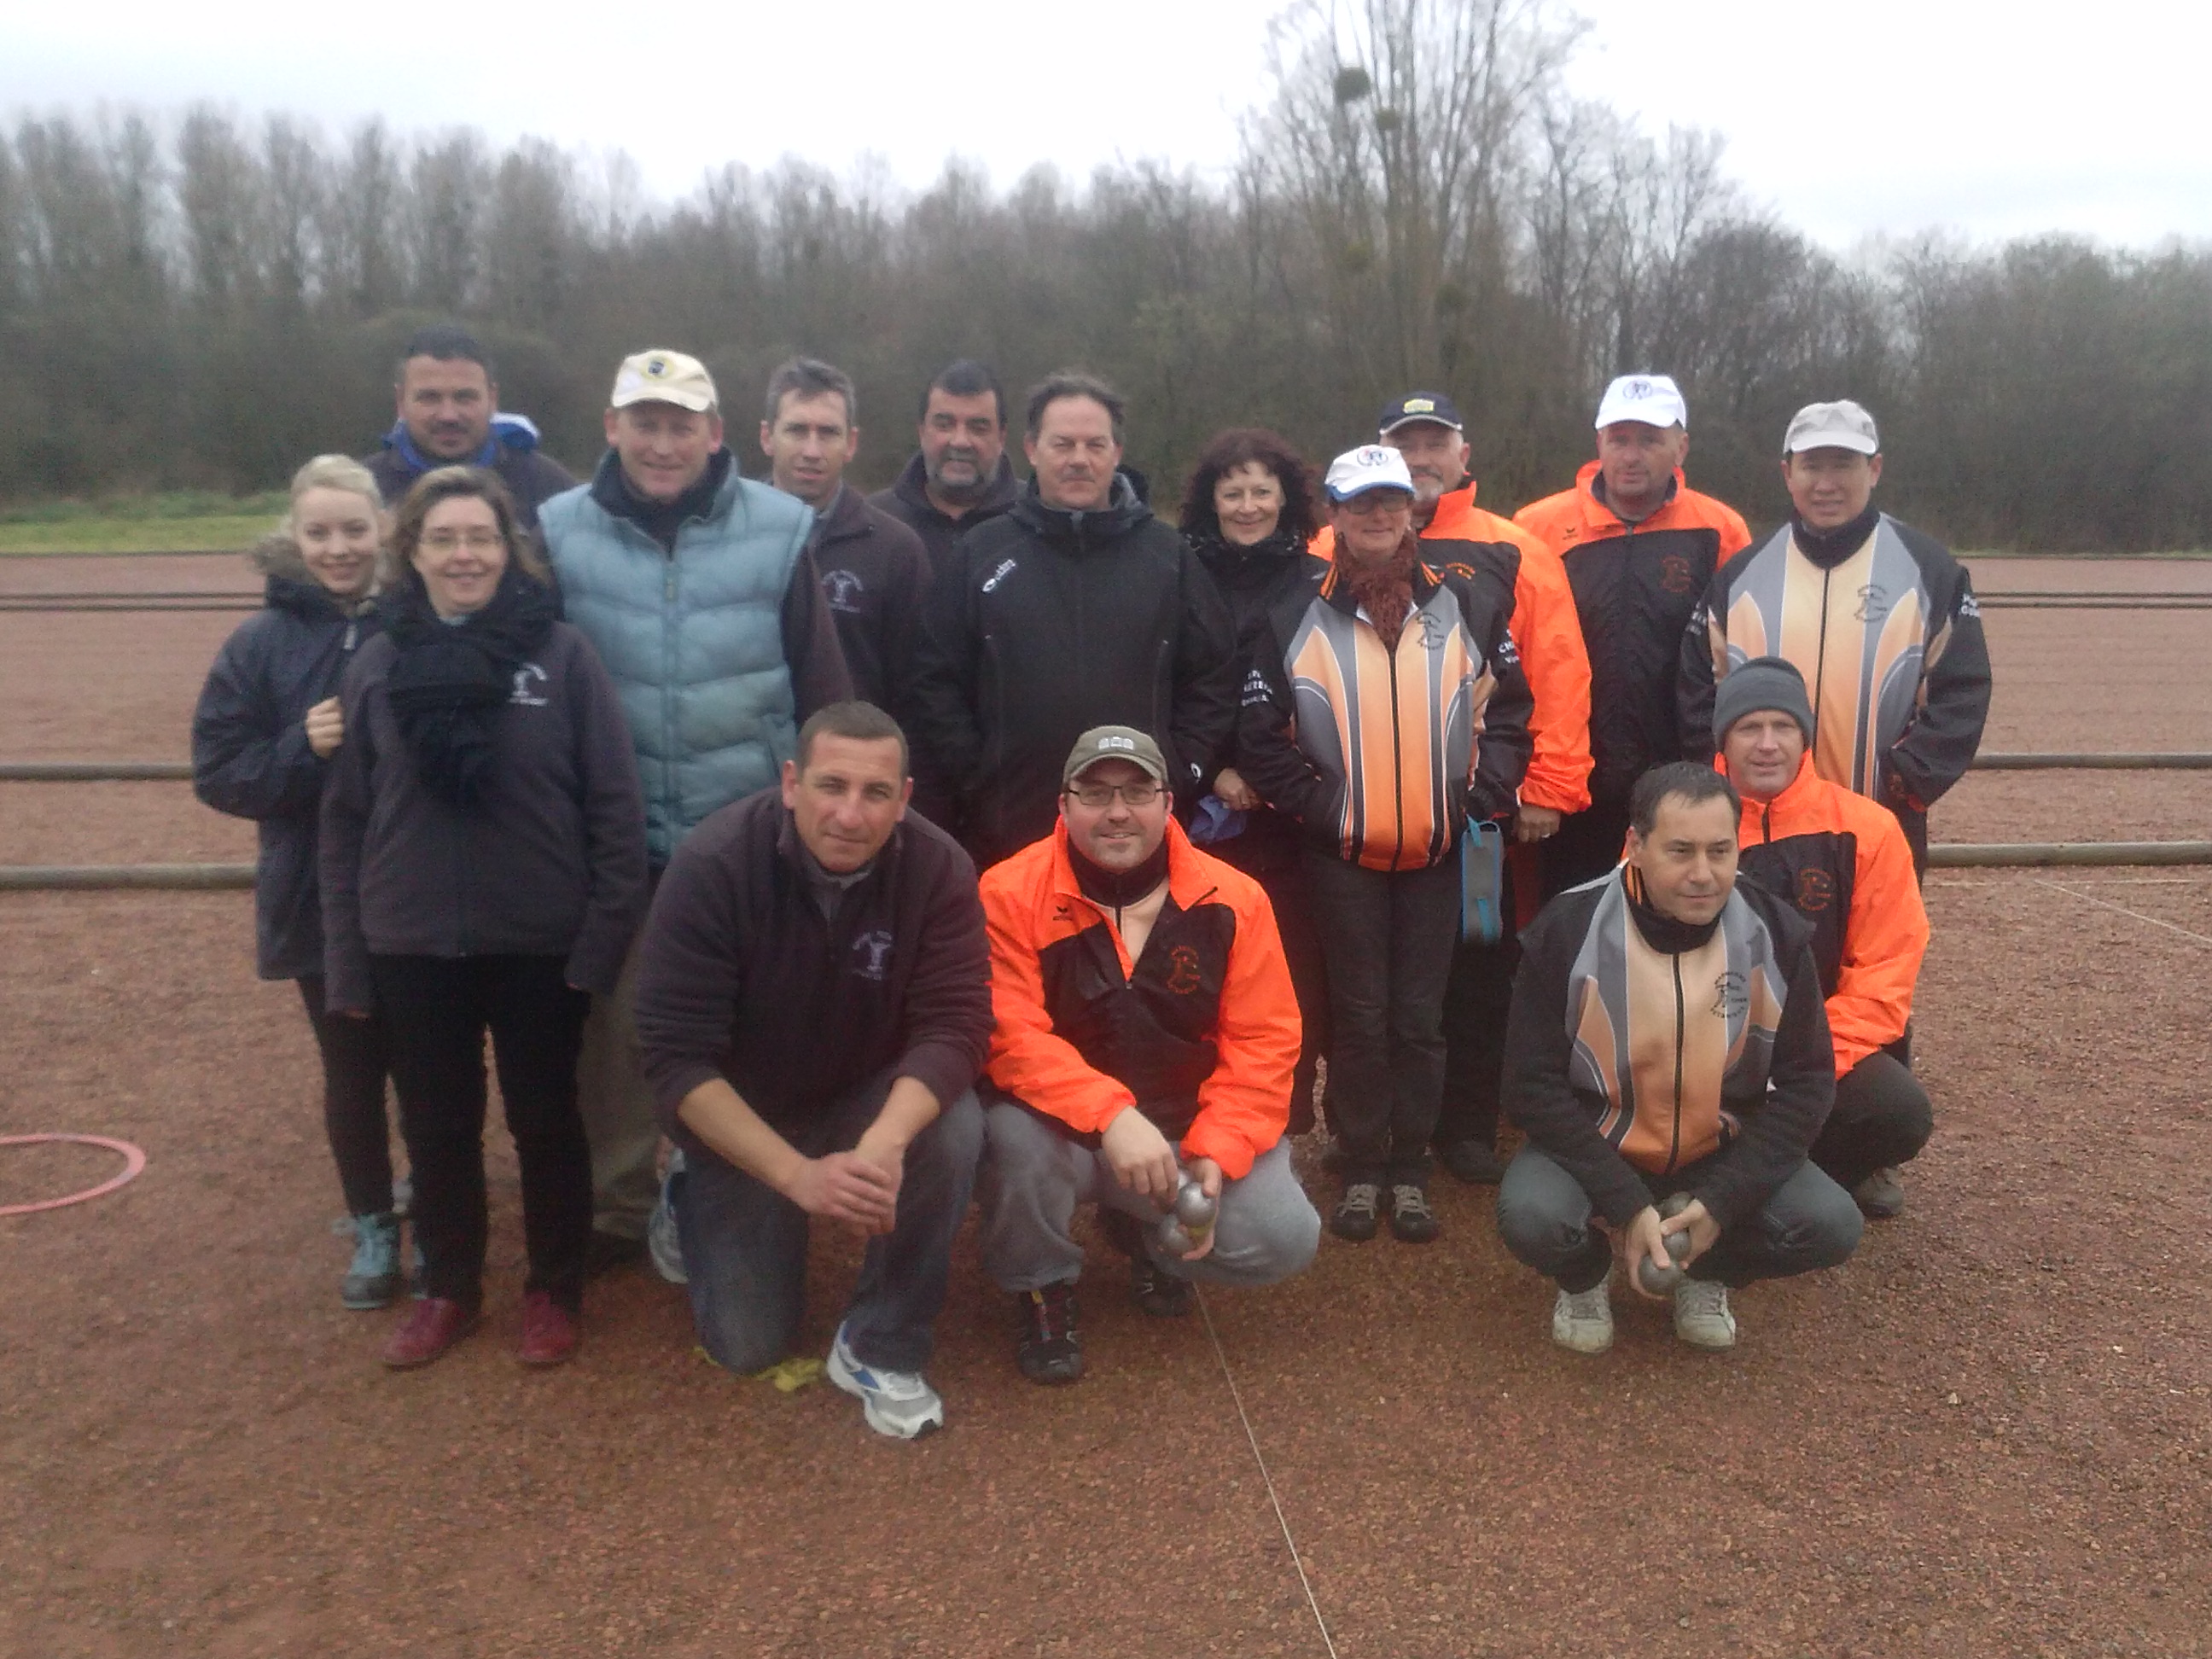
1675	574
872	954
844	590
526	676
1731	996
1006	569
1183	975
1874	603
1816	890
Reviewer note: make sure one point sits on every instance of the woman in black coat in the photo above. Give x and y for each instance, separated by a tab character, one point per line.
267	725
1248	514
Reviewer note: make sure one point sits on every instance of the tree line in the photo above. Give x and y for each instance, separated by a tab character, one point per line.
204	301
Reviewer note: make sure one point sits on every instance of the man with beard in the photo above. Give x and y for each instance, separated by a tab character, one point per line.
960	476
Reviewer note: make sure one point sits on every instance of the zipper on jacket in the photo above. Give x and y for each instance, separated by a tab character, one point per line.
1397	745
1820	662
671	791
1674	1150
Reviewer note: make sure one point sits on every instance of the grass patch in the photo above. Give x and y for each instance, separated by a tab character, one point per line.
174	521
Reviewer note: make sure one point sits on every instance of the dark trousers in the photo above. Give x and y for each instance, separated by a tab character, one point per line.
1544	1217
1915	825
357	1055
438	1009
1477	998
1281	874
1587	847
1881	1117
1390	936
744	1243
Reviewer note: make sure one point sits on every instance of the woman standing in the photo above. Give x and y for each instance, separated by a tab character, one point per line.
483	868
1248	515
267	725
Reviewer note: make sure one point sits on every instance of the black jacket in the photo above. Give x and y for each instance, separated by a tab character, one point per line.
552	862
1050	623
741	977
1726	1108
875	581
907	500
532	478
250	753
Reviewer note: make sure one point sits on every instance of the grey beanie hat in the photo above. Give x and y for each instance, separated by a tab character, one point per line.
1762	683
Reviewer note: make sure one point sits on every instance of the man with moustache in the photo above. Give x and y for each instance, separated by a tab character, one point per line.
449	416
960	475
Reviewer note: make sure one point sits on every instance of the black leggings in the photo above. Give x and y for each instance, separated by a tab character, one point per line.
438	1009
357	1055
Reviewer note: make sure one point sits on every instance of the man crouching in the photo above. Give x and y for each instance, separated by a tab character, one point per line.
1141	1001
1668	1040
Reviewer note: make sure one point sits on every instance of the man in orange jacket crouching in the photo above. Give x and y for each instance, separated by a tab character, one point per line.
1841	861
1147	1033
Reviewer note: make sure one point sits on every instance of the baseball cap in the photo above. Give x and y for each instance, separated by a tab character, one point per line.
1417	406
1122	742
664	377
1654	399
1371	466
1843	425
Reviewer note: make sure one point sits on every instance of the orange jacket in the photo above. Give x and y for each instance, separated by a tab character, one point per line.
1204	1024
1842	862
1547	635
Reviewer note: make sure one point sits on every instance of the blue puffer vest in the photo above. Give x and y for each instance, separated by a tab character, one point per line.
693	639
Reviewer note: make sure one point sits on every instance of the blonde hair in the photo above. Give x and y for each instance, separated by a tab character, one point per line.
339	472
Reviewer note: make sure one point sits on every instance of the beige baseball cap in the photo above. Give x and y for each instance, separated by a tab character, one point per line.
1121	742
1842	425
664	377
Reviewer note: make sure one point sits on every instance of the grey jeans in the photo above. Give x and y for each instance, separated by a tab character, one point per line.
1034	1175
616	1106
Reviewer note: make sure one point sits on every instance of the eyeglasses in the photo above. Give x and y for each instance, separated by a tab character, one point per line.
1142	794
476	541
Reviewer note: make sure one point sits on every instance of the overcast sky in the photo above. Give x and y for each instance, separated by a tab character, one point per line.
1875	117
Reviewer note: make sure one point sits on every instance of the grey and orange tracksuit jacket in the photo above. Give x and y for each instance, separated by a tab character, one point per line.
1634	588
1201	1033
1882	621
1642	1053
1385	754
1470	541
1841	862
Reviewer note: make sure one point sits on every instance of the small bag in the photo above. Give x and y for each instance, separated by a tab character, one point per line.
1482	883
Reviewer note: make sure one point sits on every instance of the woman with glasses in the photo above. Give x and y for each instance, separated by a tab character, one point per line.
263	736
484	869
1248	514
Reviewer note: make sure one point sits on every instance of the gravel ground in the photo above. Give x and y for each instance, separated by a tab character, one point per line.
1988	1435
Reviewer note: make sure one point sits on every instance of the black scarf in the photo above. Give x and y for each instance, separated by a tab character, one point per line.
450	680
1117	889
660	519
1661	932
1830	548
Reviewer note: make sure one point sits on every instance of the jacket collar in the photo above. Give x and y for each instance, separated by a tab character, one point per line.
791	853
848	517
1188	881
912	487
1793	794
708	499
1122	513
1454	518
1336	587
1597	517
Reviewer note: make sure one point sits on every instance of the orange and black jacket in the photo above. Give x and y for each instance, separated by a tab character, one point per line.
1882	621
1547	636
1842	863
1384	754
1635	587
1201	1033
1640	1048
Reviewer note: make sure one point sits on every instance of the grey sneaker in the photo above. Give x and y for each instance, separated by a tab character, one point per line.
1358	1213
1583	1320
1880	1197
372	1279
896	1403
662	1240
1702	1318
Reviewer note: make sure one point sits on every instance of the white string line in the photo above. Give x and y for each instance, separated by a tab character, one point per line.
1281	1520
2073	892
2109	881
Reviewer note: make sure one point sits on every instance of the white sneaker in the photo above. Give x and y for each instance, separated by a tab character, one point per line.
1702	1318
1583	1320
663	1241
896	1403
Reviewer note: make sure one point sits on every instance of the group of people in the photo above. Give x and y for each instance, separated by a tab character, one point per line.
808	855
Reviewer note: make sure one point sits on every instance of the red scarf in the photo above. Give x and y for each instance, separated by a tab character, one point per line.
1386	589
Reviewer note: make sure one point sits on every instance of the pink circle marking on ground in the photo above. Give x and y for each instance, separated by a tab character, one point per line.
133	1161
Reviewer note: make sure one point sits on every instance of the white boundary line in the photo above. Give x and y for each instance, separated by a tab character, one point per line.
2076	892
1281	1520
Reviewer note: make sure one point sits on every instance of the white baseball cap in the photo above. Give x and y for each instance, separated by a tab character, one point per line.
1654	399
664	377
1843	425
1371	466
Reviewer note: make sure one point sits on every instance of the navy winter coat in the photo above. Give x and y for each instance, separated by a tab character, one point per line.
250	753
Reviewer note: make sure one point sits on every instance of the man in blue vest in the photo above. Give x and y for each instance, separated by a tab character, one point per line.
696	588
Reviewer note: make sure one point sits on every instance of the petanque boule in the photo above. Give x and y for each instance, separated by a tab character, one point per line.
1661	1281
1188	1223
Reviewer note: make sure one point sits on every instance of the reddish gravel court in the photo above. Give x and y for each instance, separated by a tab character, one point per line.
1990	1434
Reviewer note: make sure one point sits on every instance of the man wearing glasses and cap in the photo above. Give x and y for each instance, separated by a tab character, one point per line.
1145	1038
697	590
1639	546
1878	616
